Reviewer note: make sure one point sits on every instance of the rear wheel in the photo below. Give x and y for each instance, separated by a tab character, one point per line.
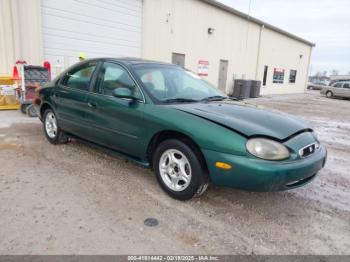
24	108
179	170
329	94
31	111
53	132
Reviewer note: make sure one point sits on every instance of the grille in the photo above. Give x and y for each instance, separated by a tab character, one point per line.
300	182
309	150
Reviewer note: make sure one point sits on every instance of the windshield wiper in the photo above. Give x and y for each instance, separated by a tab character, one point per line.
180	100
217	98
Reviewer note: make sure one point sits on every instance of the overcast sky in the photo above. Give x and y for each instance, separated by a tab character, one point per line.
324	22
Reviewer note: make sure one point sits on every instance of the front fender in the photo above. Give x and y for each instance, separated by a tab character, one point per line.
207	135
46	101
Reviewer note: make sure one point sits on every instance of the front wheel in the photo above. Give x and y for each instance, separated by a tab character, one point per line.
329	94
180	170
53	132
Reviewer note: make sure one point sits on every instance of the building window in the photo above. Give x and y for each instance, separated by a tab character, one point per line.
292	76
278	76
266	69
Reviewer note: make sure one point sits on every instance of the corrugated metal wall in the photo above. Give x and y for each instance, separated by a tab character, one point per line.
38	30
20	33
104	28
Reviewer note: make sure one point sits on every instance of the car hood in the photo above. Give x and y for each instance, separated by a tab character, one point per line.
247	120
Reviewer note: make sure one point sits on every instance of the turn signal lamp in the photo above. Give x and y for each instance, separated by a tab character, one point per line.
222	165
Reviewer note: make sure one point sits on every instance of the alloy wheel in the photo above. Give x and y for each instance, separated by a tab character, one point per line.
175	170
51	125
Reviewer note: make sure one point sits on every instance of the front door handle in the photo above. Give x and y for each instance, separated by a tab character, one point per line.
92	104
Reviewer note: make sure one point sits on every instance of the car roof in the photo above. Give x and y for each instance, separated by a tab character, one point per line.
129	61
341	82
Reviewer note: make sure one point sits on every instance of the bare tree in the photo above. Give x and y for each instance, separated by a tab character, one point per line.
335	72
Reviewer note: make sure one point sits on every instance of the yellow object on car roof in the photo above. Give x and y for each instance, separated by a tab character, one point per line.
82	56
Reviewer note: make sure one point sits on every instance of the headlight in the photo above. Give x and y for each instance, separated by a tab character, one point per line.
267	149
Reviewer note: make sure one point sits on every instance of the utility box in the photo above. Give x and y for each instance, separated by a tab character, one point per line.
241	89
8	97
255	89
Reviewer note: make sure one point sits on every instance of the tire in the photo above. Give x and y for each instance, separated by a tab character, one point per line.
52	131
24	108
183	175
31	111
329	94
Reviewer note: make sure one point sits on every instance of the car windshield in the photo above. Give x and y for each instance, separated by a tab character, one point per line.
169	84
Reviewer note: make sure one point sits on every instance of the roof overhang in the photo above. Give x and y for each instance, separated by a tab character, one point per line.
256	21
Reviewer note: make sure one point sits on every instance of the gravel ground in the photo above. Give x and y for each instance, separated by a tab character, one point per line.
72	199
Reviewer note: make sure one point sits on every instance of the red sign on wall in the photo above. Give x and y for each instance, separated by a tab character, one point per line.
278	75
203	68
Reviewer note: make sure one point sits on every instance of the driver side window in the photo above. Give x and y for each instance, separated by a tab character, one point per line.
113	76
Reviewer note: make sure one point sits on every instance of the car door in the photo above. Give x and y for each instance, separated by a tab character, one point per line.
113	122
71	98
346	90
337	89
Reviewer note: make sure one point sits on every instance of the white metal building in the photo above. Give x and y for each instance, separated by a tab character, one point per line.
57	31
204	36
97	28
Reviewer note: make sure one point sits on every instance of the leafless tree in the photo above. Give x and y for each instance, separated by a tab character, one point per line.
335	72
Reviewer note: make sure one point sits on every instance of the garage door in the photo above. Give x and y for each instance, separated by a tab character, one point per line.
99	28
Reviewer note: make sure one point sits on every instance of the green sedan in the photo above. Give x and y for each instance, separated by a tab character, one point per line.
168	119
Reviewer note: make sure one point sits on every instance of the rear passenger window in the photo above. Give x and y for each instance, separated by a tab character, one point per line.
346	85
80	78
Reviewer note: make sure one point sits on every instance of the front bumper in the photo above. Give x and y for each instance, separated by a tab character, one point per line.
260	175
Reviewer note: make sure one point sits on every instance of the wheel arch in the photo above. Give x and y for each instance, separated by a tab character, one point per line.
44	107
171	134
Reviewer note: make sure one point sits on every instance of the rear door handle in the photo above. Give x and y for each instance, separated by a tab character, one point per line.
92	104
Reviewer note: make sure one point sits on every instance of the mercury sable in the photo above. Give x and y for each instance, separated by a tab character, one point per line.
190	133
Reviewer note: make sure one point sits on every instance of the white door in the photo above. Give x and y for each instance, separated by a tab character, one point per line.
98	28
223	69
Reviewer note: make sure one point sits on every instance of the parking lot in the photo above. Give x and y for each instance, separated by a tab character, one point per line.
72	199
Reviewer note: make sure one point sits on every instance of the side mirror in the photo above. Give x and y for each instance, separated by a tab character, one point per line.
123	93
